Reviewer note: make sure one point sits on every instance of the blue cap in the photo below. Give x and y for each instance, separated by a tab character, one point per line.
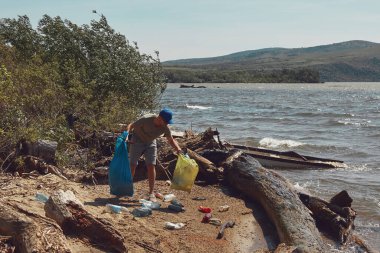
167	115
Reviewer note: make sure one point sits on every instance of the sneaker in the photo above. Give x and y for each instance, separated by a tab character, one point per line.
152	198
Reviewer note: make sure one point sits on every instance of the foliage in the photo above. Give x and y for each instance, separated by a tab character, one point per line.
61	73
183	75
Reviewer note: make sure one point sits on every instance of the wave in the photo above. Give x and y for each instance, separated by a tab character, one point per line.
302	187
198	107
350	122
323	114
274	143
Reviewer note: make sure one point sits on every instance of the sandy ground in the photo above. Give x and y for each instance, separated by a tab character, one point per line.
251	233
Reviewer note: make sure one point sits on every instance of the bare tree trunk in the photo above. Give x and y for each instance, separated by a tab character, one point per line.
295	226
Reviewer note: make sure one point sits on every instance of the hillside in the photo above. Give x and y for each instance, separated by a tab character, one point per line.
346	61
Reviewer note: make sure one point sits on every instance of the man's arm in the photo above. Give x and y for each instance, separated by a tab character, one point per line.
174	144
130	127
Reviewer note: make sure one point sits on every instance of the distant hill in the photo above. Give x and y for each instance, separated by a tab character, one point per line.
346	61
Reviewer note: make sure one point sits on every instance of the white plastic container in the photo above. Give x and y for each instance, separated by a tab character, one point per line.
172	226
224	208
169	197
150	204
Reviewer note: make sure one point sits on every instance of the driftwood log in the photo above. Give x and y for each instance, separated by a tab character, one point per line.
69	213
338	221
43	149
28	235
294	225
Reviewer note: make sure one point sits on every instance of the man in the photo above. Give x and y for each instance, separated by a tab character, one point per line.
145	132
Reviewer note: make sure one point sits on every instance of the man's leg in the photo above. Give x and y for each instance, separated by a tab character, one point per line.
151	177
150	160
133	168
135	151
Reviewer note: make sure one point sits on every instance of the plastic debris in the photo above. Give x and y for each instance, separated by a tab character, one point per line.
41	197
176	202
215	221
204	209
224	208
141	212
172	226
116	209
176	208
150	204
159	195
169	197
206	218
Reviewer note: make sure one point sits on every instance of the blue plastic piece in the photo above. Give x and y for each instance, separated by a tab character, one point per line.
119	176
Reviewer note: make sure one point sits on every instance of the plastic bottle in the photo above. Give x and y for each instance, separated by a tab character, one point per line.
169	197
170	225
224	208
150	204
41	197
142	212
115	208
204	209
176	208
176	202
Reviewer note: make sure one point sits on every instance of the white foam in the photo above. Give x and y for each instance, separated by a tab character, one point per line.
303	187
274	143
298	187
198	107
354	122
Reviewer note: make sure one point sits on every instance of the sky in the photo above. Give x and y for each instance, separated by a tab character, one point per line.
181	29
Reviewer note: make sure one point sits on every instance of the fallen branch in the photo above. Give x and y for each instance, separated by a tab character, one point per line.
69	213
147	247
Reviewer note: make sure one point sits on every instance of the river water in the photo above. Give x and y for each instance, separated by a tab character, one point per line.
331	120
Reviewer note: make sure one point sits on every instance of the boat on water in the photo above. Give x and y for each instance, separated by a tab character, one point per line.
287	159
191	86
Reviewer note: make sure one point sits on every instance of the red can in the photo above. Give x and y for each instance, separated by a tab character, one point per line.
204	209
206	218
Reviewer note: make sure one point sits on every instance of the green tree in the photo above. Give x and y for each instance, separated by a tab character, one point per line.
62	71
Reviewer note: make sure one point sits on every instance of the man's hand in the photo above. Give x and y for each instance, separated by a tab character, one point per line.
180	152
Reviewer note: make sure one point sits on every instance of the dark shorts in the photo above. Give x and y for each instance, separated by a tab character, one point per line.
149	150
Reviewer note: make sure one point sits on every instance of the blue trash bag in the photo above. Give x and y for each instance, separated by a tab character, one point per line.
120	176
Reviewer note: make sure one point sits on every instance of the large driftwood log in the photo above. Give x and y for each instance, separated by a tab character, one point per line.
69	213
43	149
28	236
337	221
294	225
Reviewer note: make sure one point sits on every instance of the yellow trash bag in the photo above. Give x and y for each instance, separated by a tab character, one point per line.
185	172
